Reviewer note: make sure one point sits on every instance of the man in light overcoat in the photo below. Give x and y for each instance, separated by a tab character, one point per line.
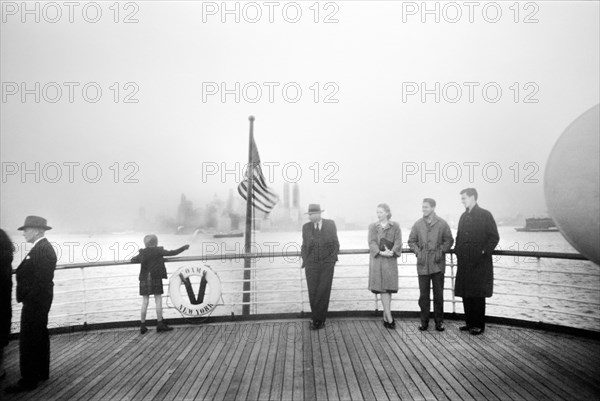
430	239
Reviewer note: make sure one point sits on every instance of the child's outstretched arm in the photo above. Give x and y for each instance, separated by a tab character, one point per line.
176	251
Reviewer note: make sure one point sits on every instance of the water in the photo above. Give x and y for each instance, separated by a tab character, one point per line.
111	292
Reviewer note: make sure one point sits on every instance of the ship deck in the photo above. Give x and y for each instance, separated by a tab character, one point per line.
352	358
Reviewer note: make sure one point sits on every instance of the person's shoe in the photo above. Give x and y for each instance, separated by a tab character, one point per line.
476	331
440	327
423	327
143	328
464	328
386	324
20	387
317	325
392	325
162	326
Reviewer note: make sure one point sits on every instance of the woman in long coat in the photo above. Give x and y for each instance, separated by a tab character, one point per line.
6	257
385	246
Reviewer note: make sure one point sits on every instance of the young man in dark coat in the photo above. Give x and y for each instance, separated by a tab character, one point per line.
476	239
35	290
320	247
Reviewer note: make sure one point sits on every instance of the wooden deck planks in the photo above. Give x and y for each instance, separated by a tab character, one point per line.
317	363
222	370
501	384
475	382
298	389
183	364
543	380
325	336
388	361
240	382
112	371
552	347
66	361
411	378
308	365
376	364
95	370
561	381
349	374
357	363
202	360
349	359
260	364
332	338
514	367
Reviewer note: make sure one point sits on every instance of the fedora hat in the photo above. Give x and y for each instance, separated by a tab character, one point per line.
35	222
314	208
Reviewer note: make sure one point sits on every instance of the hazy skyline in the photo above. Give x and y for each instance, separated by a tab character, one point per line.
176	58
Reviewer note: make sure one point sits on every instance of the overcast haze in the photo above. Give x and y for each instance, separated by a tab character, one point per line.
368	134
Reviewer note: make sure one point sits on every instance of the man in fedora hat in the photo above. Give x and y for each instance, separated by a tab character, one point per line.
35	291
320	247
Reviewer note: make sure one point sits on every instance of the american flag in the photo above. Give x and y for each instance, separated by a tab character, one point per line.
263	197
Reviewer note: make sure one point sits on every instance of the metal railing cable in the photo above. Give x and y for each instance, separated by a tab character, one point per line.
299	293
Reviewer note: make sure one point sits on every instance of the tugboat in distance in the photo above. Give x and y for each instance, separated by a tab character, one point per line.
232	234
543	224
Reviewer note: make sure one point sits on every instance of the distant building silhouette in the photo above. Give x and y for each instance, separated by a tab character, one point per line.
296	197
286	195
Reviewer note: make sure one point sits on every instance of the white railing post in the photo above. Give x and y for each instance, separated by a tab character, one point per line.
301	291
84	296
253	284
452	282
539	290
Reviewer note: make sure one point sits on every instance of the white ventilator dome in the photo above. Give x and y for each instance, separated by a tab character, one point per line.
571	184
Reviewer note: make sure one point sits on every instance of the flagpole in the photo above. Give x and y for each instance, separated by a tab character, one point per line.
248	237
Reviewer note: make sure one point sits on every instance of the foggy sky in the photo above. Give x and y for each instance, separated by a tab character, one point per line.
369	137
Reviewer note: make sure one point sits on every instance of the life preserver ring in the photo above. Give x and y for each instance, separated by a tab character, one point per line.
198	302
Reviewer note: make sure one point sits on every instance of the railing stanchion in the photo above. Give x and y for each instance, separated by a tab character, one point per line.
376	305
452	281
539	290
301	292
84	296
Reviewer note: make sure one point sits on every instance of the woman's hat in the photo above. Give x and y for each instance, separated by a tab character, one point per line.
314	208
35	222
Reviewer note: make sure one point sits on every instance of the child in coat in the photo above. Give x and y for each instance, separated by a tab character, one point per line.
152	271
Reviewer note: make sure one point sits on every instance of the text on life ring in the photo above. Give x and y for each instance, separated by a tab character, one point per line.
199	301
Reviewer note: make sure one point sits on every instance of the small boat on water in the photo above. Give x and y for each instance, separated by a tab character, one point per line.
544	224
231	234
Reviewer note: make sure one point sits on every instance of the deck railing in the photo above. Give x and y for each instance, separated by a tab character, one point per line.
232	301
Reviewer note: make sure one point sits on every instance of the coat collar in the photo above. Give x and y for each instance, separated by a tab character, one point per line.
434	219
33	247
475	208
38	241
389	225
